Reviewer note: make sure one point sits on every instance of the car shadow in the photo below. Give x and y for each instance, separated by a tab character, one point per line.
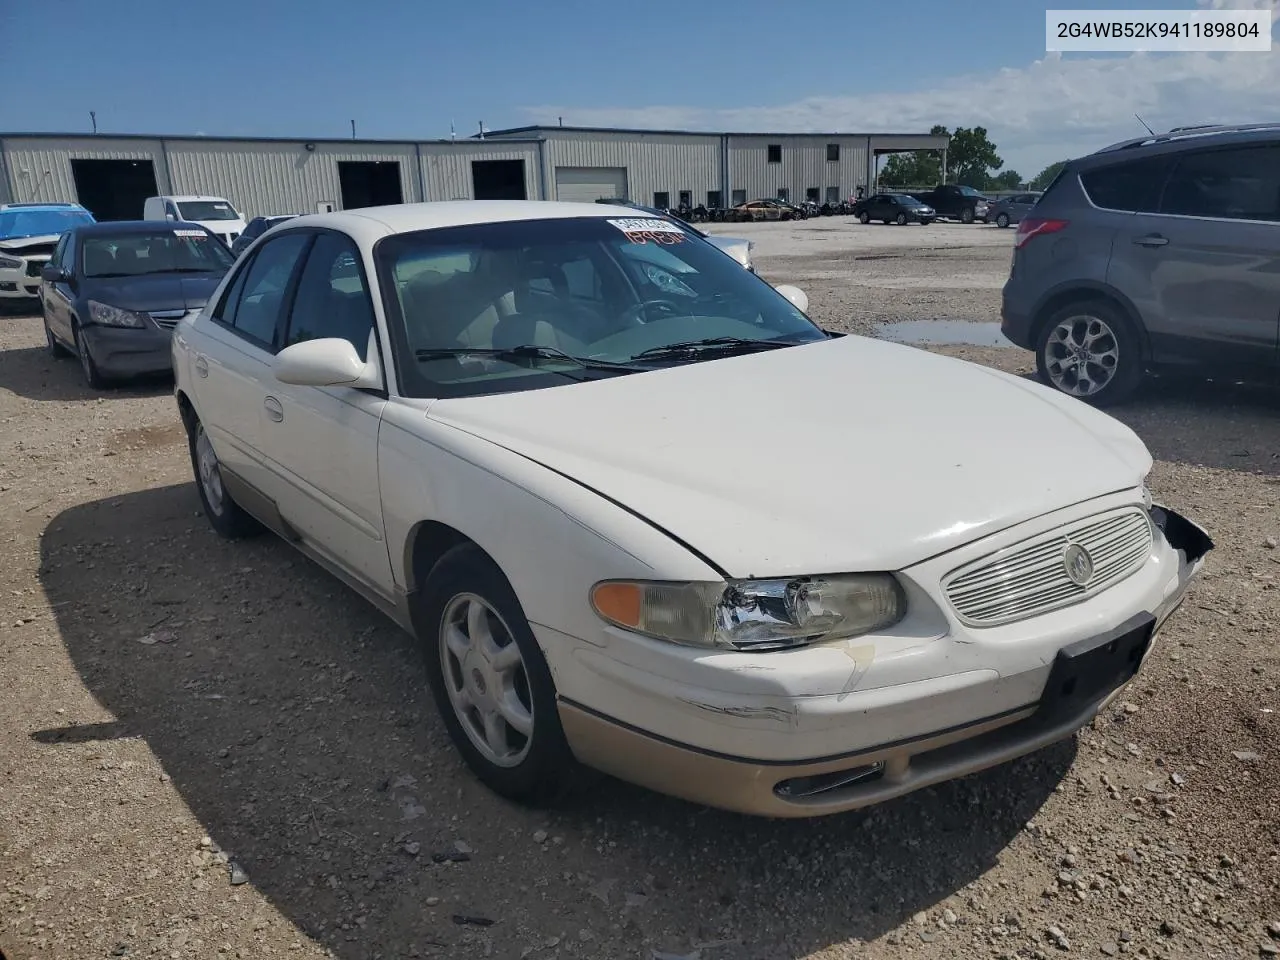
295	723
33	373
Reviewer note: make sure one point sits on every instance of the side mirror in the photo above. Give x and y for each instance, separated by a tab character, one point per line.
328	362
798	298
52	274
170	216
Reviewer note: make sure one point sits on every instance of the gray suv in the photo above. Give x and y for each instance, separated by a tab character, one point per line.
1160	252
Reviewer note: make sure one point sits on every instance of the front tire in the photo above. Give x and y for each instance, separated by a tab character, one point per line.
966	215
226	516
1002	221
1090	350
901	220
54	346
491	681
864	217
92	375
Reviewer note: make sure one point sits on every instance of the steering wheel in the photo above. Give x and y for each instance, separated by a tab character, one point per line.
639	310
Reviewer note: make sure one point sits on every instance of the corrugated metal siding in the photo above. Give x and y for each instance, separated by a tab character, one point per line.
447	167
654	162
804	165
277	178
5	196
41	169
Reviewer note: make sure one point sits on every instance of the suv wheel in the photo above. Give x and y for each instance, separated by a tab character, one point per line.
225	515
1090	350
491	682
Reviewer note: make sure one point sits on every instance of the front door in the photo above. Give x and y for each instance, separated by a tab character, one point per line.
55	298
232	357
322	442
1211	255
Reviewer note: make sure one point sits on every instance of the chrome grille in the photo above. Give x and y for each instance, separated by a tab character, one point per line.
167	319
1030	578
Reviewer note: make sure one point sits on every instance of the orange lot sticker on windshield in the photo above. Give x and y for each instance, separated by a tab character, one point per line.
649	230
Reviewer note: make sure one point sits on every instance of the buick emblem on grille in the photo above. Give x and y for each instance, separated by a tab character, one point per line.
1078	564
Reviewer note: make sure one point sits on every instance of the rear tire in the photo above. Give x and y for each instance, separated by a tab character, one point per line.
490	679
225	515
864	217
1002	221
1091	350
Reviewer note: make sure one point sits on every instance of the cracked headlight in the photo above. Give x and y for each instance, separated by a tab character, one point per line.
110	316
753	614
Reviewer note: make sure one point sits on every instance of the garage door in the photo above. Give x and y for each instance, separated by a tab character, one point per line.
588	184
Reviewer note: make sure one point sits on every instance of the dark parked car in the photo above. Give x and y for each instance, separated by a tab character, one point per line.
1009	210
1161	252
957	202
256	228
900	208
112	293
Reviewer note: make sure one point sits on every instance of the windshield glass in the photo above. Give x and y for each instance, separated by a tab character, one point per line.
970	192
907	199
169	251
39	223
195	211
604	290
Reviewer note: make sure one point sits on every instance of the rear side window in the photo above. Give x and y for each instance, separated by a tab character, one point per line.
1241	183
1133	187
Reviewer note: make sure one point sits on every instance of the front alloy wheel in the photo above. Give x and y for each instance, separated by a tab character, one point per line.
1088	351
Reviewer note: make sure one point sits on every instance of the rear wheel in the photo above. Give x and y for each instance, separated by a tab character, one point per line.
1002	220
491	682
864	217
1090	350
225	515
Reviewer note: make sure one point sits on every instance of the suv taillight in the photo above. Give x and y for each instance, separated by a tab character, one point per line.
1032	227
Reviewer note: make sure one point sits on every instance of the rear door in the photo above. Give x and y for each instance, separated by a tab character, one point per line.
1211	257
321	443
233	353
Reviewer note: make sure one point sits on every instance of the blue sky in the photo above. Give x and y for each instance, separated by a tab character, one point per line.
406	69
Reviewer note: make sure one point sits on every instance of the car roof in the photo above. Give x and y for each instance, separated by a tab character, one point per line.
372	223
42	207
1180	139
117	227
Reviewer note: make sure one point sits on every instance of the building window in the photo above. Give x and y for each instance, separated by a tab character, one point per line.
739	197
775	153
662	199
833	194
686	198
811	194
782	194
713	199
833	153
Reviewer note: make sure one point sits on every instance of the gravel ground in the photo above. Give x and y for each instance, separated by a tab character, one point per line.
215	750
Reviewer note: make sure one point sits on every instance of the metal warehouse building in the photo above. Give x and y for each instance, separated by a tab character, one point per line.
113	174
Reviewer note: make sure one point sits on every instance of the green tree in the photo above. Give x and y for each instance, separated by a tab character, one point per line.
1005	180
972	156
920	168
1045	176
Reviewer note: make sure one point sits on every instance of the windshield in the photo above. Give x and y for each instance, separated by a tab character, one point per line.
602	290
39	223
907	199
970	192
168	251
196	211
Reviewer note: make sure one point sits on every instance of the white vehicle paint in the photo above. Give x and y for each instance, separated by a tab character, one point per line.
762	581
217	214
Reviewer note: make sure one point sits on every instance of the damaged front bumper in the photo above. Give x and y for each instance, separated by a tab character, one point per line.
761	734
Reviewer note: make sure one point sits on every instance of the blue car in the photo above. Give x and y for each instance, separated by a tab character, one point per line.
28	233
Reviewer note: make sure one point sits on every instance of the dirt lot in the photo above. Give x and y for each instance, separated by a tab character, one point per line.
172	702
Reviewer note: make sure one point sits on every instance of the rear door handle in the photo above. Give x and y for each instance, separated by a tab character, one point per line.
202	366
274	410
1151	240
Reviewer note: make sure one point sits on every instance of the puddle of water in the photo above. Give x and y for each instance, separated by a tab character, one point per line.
952	332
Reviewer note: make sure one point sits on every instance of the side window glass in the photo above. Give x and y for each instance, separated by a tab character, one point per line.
59	251
332	300
68	261
1238	184
1133	187
257	306
225	311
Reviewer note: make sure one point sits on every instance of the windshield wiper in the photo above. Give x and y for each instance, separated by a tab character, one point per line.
527	351
710	345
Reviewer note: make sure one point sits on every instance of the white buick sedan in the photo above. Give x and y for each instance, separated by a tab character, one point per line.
645	516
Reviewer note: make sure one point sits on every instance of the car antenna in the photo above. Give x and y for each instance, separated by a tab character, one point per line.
1144	123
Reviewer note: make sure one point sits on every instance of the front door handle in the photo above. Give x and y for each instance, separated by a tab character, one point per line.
1151	240
202	366
274	410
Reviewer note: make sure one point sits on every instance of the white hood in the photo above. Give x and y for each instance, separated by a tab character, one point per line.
840	456
16	244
